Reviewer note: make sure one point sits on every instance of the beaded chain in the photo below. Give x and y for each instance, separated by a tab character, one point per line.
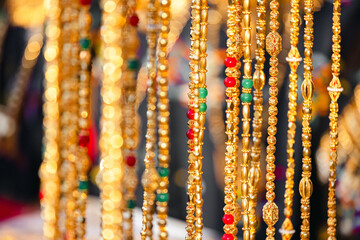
83	162
294	59
163	118
69	110
111	138
335	90
150	179
307	91
49	170
130	124
232	62
259	81
196	115
273	47
193	122
246	98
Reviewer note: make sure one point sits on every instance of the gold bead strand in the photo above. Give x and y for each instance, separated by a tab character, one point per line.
193	116
150	179
162	194
307	91
232	62
69	112
259	81
294	59
83	162
246	98
49	171
334	90
129	124
273	47
111	138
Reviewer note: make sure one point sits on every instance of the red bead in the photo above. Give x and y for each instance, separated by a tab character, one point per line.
41	195
230	82
85	2
228	219
227	236
190	134
130	161
230	62
134	20
84	140
190	114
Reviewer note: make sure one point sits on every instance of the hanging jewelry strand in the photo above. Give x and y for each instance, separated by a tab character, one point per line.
294	59
273	47
150	178
335	90
246	98
232	62
259	81
307	91
163	117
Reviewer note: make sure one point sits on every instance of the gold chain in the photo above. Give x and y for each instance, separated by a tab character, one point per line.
69	112
273	47
246	98
83	162
259	81
232	62
111	138
150	179
294	59
49	171
162	196
335	90
307	91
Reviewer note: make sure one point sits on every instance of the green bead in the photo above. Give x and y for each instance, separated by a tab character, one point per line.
131	204
247	83
162	197
203	107
83	185
163	172
133	64
203	92
85	43
246	97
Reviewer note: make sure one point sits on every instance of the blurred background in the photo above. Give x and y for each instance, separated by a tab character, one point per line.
21	133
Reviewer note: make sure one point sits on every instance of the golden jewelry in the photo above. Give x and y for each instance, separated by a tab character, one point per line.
232	83
246	98
259	81
129	124
69	113
84	97
196	115
294	59
163	117
335	90
49	170
111	138
273	47
307	91
150	179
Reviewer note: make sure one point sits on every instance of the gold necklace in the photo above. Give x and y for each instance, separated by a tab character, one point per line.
49	170
246	98
111	136
259	81
287	229
150	179
232	62
273	47
162	195
307	91
334	91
